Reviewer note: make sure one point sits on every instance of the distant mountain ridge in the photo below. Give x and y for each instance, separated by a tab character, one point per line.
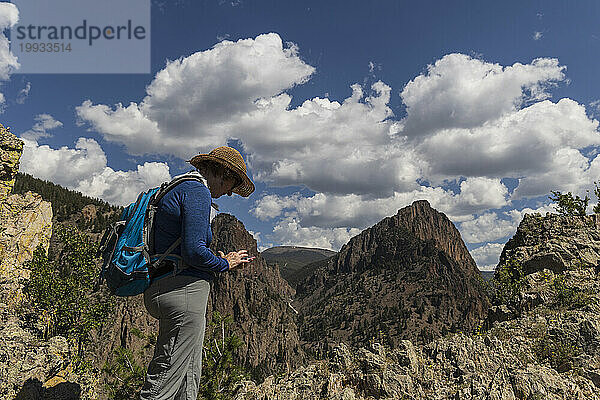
291	260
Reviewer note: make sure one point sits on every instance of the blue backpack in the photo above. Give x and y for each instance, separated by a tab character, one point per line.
127	246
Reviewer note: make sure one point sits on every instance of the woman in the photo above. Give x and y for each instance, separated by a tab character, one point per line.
179	301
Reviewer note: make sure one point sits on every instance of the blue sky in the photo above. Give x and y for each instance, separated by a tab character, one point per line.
346	111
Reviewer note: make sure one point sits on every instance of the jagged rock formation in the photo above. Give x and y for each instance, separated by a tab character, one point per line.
28	366
554	242
457	367
548	349
258	299
26	222
11	148
409	276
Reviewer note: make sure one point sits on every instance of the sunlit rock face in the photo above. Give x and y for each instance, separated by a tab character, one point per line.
11	149
555	242
25	224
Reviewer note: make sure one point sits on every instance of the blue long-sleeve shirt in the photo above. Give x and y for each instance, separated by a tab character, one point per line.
185	211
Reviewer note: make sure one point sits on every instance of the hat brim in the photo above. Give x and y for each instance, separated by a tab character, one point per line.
244	189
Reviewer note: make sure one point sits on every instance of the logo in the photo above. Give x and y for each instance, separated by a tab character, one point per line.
82	36
81	32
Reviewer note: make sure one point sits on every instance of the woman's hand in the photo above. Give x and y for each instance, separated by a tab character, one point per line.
236	258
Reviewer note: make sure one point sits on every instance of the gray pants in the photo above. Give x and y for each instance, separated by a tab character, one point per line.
179	303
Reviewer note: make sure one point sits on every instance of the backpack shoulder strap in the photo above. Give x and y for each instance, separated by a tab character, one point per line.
167	186
148	230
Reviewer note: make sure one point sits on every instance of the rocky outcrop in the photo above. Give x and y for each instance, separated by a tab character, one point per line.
409	276
29	367
26	222
258	299
548	350
554	242
89	213
11	148
501	365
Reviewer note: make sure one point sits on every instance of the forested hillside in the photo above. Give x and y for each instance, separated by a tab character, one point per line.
68	204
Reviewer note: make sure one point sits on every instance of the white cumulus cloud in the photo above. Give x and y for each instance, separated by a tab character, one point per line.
289	232
191	102
467	120
459	91
9	16
491	226
45	122
84	169
524	143
481	193
123	187
487	227
487	256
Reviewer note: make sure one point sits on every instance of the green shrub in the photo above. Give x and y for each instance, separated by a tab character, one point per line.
126	377
569	297
559	353
60	288
508	283
220	373
566	204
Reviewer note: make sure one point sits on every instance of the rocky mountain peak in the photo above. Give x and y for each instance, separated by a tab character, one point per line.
419	220
427	223
409	276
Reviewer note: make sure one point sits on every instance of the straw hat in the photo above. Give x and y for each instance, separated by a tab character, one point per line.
232	159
